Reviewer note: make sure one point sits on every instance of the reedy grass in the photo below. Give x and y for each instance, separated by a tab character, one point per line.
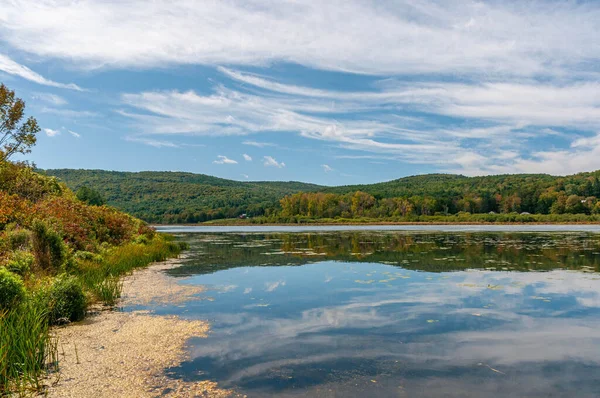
101	278
26	348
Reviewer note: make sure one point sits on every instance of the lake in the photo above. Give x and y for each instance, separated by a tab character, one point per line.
436	312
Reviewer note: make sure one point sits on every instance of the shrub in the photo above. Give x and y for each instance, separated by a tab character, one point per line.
19	239
12	290
20	262
141	239
67	300
88	256
48	248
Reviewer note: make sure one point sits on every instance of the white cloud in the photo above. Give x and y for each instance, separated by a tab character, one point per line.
515	38
247	157
51	133
326	168
271	162
272	286
224	160
74	134
9	66
526	71
246	176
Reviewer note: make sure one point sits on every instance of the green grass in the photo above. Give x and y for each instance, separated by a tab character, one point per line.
26	348
100	277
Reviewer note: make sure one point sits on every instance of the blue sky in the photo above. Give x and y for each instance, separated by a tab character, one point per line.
336	92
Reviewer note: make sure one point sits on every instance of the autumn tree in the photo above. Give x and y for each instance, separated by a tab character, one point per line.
511	203
361	201
16	136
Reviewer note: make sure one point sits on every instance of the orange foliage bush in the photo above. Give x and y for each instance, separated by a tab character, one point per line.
83	226
13	208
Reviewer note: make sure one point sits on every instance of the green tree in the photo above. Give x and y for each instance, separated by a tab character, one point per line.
90	196
575	204
558	207
15	136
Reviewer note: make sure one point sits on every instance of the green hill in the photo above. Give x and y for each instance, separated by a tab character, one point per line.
176	197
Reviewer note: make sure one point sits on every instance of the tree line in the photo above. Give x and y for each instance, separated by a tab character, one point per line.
579	198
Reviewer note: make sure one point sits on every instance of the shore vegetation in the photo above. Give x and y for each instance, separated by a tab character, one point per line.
60	254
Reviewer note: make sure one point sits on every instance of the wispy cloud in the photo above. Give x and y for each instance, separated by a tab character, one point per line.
269	161
74	134
259	144
49	98
247	157
69	113
152	142
9	66
326	168
493	128
224	160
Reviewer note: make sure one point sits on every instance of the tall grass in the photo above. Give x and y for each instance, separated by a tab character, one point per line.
26	348
101	278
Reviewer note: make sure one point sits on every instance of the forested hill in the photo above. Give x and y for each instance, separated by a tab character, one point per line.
174	197
177	197
443	184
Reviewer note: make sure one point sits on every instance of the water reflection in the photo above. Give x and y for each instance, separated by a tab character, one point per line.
373	313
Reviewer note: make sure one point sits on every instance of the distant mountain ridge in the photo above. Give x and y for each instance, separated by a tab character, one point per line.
167	197
179	197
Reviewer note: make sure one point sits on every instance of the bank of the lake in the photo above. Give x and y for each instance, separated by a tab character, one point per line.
60	257
125	353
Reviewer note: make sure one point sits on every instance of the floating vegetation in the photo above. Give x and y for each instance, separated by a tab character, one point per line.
432	252
365	282
545	299
490	368
473	285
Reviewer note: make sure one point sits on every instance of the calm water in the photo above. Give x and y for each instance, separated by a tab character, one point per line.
396	313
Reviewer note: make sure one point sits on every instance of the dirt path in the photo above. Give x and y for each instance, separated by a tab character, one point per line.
124	354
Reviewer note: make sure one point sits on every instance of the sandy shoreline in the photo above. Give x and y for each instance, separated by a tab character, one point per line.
124	354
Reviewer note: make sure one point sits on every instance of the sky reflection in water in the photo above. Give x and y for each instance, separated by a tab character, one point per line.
396	313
